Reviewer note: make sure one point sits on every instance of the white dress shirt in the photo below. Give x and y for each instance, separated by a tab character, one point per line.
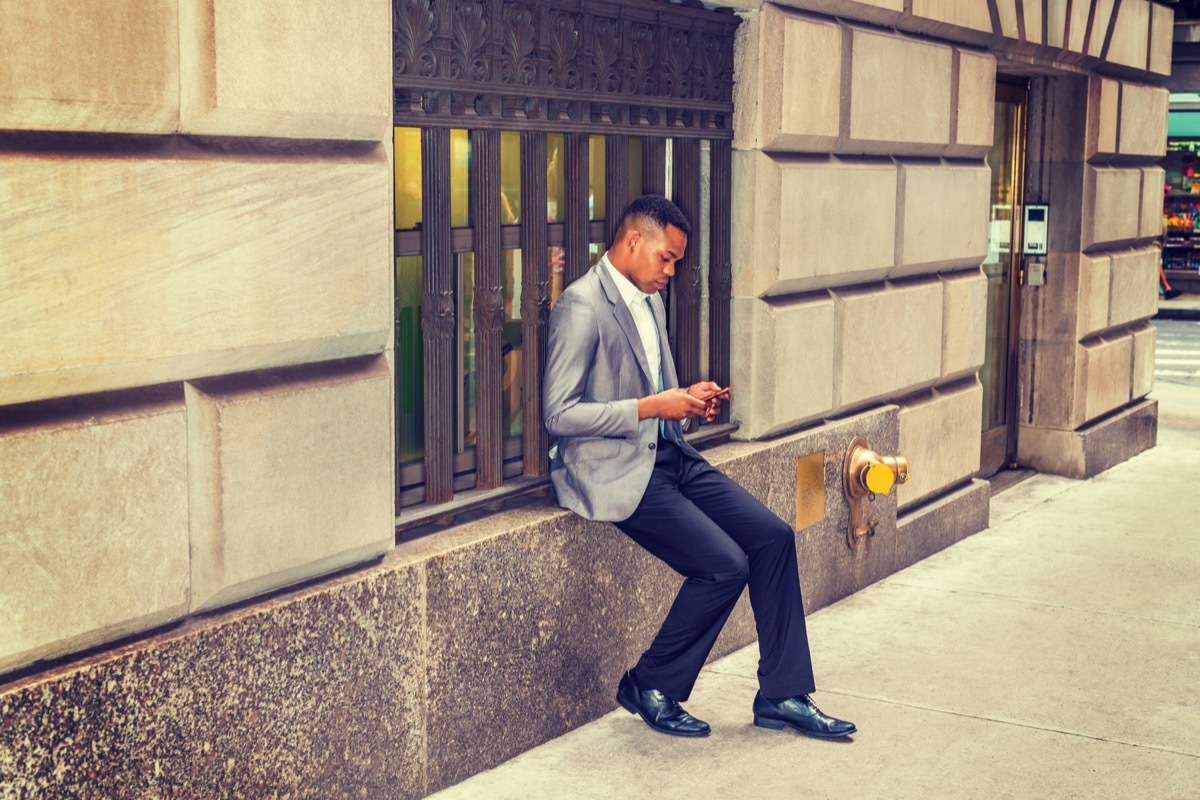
643	317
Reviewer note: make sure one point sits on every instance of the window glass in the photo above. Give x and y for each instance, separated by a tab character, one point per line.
555	255
596	178
410	362
510	177
512	380
460	178
465	385
595	250
556	187
408	177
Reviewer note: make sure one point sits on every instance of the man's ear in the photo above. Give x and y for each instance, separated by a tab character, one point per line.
632	240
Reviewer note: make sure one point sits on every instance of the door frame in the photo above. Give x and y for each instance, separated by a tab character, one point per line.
998	447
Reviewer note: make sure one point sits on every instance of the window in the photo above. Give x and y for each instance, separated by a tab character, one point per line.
522	131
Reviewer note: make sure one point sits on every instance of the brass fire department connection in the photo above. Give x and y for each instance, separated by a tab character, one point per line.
865	475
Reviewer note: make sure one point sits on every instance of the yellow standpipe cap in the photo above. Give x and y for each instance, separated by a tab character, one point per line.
879	478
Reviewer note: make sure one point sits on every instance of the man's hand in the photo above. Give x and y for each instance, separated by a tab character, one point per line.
672	404
712	394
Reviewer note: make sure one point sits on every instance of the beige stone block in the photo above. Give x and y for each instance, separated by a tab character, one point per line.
1056	23
899	94
1095	275
1007	10
889	341
971	14
1107	366
1129	45
803	78
107	66
1151	215
1104	95
801	225
1053	378
1143	120
976	100
1101	15
1134	282
121	272
93	524
939	435
882	11
1112	204
964	322
1077	35
286	68
944	217
1144	340
1032	14
291	476
794	383
1162	29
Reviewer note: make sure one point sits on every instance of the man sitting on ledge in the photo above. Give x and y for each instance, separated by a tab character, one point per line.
613	400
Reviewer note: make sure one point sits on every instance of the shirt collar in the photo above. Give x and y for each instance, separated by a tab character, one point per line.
629	292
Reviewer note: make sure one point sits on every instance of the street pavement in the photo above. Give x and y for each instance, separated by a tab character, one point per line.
1054	655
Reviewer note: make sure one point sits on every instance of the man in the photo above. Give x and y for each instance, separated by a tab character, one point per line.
613	400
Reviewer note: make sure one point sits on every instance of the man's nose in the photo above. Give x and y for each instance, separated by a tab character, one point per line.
670	270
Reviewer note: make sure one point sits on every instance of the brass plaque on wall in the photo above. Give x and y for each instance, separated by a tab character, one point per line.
810	489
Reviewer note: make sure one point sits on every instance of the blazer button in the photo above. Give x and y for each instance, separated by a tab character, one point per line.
651	445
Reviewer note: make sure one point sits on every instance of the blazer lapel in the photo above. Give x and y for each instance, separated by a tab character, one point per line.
625	321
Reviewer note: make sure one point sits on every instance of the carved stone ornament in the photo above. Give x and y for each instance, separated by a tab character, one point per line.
557	65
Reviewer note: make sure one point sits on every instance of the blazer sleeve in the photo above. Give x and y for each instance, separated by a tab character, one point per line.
571	356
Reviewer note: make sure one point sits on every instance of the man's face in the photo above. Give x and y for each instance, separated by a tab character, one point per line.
654	255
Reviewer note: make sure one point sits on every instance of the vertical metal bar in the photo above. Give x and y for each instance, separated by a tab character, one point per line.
488	308
535	297
686	290
616	181
437	315
720	268
575	235
654	165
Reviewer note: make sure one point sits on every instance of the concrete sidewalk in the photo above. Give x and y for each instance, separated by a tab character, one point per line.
1056	654
1186	306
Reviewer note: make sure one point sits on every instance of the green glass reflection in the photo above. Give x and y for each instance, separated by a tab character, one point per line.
556	191
511	381
410	362
407	158
635	169
510	177
460	178
596	178
595	251
466	386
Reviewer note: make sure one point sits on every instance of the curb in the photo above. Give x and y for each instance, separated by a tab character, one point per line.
1189	314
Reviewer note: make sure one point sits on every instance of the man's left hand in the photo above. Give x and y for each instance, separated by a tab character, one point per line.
713	394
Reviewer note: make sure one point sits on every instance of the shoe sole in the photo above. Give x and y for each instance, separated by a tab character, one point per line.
632	709
778	725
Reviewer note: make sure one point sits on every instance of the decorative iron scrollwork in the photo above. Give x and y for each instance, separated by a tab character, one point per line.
516	63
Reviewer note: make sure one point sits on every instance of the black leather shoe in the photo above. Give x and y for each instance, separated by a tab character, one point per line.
657	710
802	714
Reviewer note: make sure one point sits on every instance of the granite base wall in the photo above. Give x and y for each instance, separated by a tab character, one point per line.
452	654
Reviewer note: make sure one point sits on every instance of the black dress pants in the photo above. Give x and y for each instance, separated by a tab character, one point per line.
720	538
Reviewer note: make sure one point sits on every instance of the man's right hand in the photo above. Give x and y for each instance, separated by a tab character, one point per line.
672	404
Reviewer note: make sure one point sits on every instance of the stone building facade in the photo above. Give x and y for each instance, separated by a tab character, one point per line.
201	585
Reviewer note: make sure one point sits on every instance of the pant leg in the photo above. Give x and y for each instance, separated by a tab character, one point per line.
715	571
785	664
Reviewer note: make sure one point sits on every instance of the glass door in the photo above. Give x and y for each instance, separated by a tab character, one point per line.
1002	268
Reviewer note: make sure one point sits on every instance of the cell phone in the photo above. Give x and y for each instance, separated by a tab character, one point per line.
719	393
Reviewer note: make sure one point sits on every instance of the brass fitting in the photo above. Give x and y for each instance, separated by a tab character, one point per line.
866	474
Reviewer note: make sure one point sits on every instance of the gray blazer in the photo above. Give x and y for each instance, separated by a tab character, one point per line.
596	370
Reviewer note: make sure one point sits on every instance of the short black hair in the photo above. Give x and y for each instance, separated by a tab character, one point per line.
656	210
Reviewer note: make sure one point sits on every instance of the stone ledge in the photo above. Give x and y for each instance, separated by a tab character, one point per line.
1093	448
326	691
